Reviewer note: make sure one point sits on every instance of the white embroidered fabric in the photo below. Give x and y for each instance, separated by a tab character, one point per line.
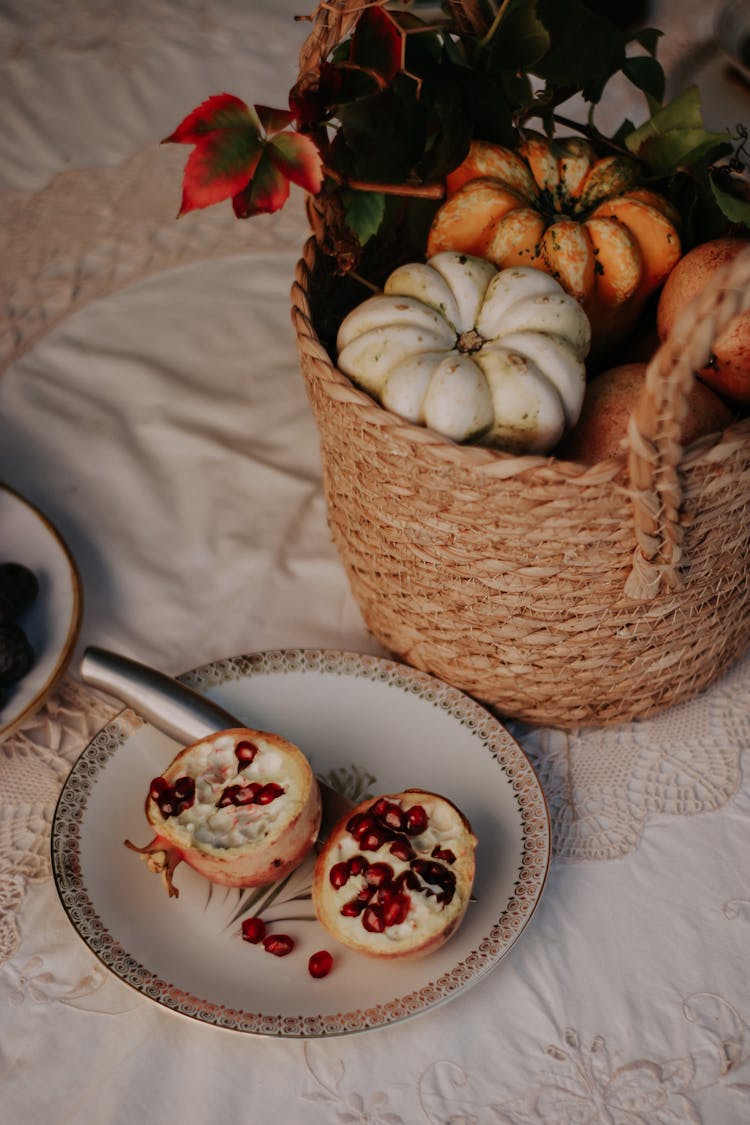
151	406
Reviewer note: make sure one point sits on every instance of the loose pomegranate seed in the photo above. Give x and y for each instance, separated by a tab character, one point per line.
378	873
253	930
320	964
357	865
445	854
339	874
372	920
268	793
278	944
159	786
245	752
415	821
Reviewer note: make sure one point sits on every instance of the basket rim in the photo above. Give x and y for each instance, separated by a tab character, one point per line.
489	461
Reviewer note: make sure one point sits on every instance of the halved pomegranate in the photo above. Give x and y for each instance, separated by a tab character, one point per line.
241	807
394	878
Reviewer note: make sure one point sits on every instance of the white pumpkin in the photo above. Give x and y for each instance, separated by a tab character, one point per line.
474	353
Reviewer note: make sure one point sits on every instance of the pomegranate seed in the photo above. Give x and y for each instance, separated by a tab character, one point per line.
184	788
378	873
357	865
438	876
402	849
365	895
372	920
415	821
268	793
443	853
372	839
408	880
227	796
159	786
352	825
253	930
396	910
246	794
278	944
320	964
353	908
339	875
392	816
245	752
167	805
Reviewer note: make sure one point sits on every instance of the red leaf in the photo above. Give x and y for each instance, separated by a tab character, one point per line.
221	111
377	43
297	157
274	120
267	191
219	167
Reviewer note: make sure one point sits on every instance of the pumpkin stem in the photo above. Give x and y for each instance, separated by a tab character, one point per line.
469	342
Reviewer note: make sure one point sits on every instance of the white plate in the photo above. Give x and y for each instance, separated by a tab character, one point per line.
53	621
369	726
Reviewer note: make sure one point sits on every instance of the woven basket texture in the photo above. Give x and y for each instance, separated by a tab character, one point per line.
555	592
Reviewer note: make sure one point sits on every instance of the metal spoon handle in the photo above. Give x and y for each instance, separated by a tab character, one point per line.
177	710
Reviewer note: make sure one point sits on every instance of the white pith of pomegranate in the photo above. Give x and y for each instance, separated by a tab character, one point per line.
394	878
241	807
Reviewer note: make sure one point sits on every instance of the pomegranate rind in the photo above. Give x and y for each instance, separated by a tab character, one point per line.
427	927
280	834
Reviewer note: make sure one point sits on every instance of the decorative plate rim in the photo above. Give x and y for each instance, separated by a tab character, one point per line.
74	625
530	800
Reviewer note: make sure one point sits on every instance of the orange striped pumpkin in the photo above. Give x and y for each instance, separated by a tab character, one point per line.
557	206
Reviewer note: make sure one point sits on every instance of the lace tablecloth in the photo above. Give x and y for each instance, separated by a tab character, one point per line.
151	407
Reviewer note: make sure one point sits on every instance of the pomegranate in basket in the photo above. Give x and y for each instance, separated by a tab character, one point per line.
241	807
395	876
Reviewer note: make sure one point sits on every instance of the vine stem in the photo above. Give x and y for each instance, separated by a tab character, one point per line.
487	37
414	191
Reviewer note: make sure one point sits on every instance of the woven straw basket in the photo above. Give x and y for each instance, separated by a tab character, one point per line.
557	593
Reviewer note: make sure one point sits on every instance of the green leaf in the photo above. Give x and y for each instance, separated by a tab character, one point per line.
647	74
674	136
364	212
648	37
736	207
520	39
683	112
585	48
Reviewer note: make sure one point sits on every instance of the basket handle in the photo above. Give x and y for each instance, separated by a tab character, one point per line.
654	432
